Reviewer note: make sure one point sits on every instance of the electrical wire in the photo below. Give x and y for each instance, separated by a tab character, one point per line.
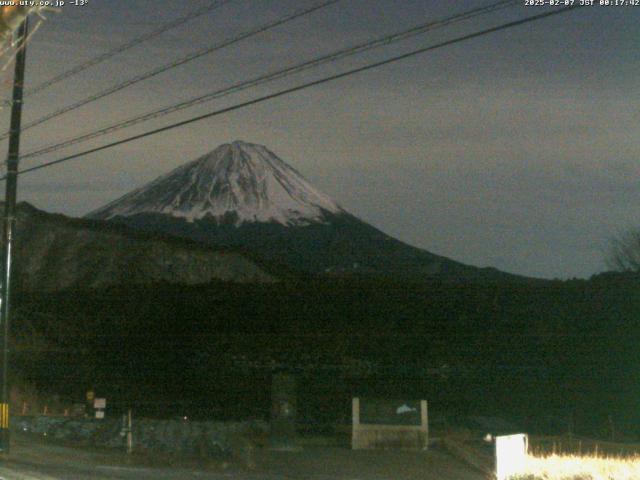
164	68
334	56
304	86
122	48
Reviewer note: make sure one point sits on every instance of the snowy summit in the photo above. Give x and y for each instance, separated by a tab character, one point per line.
238	182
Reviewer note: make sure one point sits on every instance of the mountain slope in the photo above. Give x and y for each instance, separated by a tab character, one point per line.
243	195
54	252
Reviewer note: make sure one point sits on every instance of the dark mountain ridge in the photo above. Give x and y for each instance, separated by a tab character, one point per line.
55	252
541	349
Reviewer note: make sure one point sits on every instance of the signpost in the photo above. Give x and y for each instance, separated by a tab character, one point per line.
385	423
99	404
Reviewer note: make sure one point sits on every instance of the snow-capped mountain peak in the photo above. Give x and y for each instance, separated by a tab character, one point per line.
239	182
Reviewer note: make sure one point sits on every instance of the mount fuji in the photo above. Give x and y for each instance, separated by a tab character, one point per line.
235	184
243	195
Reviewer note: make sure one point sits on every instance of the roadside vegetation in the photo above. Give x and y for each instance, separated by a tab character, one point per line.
580	467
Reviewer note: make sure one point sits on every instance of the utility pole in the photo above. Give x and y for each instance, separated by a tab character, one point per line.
9	224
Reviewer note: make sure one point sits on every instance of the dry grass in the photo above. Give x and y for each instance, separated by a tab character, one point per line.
580	467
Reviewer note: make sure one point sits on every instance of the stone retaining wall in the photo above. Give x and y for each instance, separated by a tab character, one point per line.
184	437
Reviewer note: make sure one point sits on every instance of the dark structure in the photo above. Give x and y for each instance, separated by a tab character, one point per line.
283	411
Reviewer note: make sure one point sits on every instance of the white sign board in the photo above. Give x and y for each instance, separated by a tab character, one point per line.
100	403
511	455
100	414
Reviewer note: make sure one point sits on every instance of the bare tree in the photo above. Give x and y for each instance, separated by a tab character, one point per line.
624	255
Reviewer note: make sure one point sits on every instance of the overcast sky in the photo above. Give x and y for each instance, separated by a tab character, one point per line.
518	150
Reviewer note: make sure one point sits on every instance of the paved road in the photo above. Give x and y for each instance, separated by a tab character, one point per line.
34	459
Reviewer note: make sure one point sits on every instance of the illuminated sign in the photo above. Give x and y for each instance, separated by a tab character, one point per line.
511	455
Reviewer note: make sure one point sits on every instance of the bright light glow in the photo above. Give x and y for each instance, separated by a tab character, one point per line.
567	467
511	455
11	17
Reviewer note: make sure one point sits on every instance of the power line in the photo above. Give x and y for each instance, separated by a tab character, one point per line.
304	86
334	56
122	48
164	68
